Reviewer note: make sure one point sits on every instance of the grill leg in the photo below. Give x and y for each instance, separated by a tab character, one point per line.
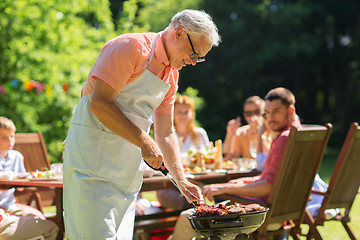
242	237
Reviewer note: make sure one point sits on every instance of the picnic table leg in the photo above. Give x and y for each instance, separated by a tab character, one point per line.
59	220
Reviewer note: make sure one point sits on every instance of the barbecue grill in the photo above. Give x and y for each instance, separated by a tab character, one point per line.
236	226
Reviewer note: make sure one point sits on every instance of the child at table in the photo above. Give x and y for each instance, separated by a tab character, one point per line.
13	216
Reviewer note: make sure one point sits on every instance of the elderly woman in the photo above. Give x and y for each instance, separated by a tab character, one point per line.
189	136
134	77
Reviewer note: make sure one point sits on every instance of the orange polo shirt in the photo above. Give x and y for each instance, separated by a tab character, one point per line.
124	58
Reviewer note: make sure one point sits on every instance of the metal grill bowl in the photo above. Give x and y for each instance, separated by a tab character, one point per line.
228	227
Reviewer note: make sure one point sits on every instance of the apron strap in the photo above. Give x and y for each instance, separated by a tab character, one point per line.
152	51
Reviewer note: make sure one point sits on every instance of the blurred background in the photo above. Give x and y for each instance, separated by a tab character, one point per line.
47	48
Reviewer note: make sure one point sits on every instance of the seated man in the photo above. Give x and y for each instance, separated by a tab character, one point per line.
280	112
242	141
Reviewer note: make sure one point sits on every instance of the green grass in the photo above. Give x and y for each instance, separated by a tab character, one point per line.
328	164
49	209
334	230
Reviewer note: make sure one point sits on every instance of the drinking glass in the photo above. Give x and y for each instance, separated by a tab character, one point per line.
57	169
253	148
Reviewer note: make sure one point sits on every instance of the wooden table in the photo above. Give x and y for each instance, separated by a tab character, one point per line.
52	184
160	182
149	184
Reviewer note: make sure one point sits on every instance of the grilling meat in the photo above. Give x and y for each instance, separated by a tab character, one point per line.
205	210
236	209
253	207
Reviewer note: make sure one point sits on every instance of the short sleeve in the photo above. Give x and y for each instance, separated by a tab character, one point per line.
117	62
17	161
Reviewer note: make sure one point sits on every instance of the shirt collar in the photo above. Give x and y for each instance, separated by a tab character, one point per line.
160	53
295	123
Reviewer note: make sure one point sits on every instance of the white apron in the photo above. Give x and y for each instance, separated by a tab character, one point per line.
102	171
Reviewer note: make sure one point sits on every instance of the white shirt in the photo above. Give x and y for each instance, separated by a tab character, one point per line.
203	141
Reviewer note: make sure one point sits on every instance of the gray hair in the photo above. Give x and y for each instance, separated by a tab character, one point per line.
196	23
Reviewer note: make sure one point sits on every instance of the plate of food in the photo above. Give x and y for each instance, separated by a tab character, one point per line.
196	170
41	179
43	176
229	165
199	173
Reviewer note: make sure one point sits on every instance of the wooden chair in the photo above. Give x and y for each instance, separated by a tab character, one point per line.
32	147
293	182
343	186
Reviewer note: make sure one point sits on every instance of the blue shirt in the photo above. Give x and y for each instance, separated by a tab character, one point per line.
13	163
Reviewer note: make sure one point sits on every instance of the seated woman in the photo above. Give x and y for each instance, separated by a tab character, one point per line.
189	136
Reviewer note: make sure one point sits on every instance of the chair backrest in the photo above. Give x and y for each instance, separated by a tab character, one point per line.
298	166
345	181
32	147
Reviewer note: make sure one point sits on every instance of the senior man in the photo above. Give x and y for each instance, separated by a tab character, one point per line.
134	77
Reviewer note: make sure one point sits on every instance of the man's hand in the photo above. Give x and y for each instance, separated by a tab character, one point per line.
232	125
213	189
192	188
255	122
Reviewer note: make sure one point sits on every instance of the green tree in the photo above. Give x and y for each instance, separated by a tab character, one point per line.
54	44
310	47
147	15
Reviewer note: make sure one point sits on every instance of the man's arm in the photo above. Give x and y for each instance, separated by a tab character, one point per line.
259	188
103	107
166	138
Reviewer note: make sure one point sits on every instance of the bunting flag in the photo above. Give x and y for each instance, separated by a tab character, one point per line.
30	85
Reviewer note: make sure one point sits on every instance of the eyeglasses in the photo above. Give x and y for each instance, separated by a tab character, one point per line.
195	56
252	113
